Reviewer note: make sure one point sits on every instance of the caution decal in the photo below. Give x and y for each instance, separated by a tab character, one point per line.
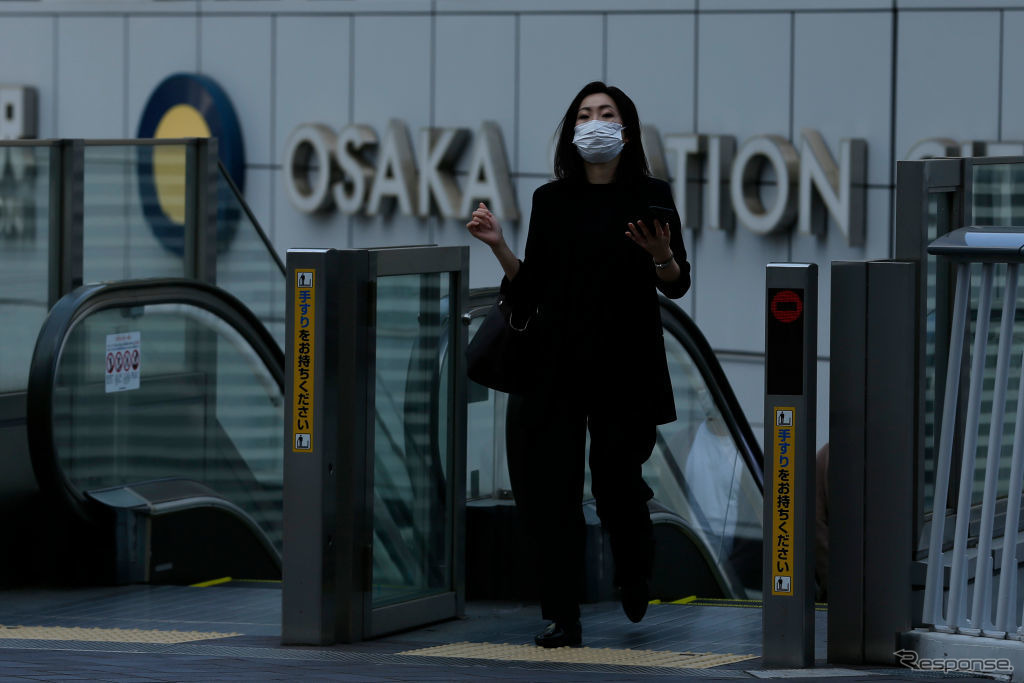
781	493
302	373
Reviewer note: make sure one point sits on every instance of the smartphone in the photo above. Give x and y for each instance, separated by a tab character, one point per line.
661	213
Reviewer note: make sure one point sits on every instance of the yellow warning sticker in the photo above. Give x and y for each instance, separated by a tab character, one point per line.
781	492
303	355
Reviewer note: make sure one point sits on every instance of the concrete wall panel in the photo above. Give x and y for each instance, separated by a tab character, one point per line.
235	51
475	76
658	76
311	75
558	55
392	71
744	74
157	48
848	56
91	77
943	91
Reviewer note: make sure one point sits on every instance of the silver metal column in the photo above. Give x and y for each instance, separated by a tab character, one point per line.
326	562
791	349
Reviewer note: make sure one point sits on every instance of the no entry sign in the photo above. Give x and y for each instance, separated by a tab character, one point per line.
786	306
123	362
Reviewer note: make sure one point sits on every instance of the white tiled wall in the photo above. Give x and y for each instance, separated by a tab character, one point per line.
737	67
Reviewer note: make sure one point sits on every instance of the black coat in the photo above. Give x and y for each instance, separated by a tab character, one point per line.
597	292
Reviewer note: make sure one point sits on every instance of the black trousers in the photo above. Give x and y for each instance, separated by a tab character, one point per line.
546	440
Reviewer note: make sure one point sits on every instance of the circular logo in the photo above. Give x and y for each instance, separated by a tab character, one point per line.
135	359
187	106
118	361
786	306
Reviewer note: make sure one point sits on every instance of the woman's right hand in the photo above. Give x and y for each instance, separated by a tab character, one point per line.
485	227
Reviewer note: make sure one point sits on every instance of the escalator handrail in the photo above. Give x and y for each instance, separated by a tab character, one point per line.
682	327
88	299
252	218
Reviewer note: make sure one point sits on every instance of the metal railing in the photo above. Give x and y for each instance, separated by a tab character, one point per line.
988	246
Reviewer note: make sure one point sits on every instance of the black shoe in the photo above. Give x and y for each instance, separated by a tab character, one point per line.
560	635
635	596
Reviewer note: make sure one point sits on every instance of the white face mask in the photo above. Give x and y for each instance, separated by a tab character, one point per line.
599	141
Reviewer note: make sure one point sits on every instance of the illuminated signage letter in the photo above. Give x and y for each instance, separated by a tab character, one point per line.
395	176
439	149
356	174
686	176
840	188
653	151
721	151
308	142
489	181
746	174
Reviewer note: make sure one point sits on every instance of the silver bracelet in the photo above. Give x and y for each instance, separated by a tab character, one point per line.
666	264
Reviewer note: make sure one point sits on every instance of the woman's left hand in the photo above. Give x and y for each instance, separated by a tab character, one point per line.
654	241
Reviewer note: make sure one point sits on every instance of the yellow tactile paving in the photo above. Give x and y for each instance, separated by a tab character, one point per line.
581	655
106	635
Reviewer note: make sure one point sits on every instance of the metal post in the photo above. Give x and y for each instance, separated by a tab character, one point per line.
891	440
981	617
67	163
200	227
934	582
1006	611
328	545
791	346
958	574
847	435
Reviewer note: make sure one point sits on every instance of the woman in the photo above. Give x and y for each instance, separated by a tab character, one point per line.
596	256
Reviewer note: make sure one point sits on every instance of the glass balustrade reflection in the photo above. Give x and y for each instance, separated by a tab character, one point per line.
246	266
202	407
699	474
997	198
411	457
24	257
133	211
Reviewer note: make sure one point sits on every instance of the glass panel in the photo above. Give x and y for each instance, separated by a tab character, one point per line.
245	267
205	408
997	199
412	542
698	473
24	258
486	468
133	212
997	194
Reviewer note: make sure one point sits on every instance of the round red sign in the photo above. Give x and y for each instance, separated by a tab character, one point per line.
786	306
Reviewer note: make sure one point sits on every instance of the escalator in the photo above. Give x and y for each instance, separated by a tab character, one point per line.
179	478
185	459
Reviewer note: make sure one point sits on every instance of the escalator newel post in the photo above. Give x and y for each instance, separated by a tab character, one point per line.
791	349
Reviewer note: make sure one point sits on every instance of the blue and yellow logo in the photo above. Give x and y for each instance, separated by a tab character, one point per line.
187	106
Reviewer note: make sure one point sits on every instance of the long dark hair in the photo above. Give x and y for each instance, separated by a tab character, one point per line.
633	162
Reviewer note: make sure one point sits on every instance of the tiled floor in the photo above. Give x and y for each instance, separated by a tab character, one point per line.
254	612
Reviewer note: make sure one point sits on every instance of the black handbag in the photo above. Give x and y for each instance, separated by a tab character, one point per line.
502	354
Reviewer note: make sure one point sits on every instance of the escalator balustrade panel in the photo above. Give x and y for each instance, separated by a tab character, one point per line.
162	398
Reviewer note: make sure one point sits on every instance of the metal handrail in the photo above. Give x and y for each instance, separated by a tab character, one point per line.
987	246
